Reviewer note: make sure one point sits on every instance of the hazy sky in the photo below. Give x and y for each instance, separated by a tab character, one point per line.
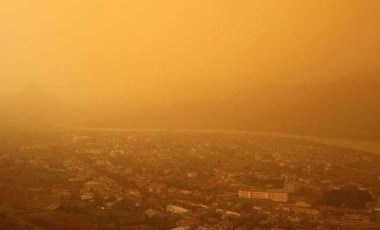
111	51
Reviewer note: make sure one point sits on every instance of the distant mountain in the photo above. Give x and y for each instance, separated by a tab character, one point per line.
346	108
341	109
34	106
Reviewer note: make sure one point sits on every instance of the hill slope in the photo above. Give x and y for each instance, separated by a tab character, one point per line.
33	107
343	109
339	109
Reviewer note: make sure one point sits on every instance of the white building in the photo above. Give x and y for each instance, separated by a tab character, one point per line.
276	196
176	209
279	197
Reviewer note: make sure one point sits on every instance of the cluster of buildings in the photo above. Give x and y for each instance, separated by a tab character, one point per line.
196	180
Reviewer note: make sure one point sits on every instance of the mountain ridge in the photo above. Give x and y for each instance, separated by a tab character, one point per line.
337	109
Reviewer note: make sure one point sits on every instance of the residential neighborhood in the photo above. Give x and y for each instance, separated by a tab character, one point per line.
186	180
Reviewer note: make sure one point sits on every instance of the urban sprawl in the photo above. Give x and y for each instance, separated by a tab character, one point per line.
82	179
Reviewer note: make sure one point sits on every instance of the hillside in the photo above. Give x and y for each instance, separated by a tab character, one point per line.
33	107
340	109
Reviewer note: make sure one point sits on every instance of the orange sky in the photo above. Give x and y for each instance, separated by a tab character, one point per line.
144	51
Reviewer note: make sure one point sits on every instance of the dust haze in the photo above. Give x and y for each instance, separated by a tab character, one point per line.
189	114
294	66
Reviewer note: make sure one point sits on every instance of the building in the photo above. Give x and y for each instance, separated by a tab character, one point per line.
291	186
181	228
93	186
259	195
87	196
314	213
150	213
176	209
278	196
60	192
376	212
356	218
192	174
134	192
227	213
156	187
245	194
302	204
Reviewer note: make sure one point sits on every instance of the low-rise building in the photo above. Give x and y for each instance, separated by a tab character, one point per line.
245	194
314	213
133	192
176	209
156	187
302	204
276	196
259	195
356	218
